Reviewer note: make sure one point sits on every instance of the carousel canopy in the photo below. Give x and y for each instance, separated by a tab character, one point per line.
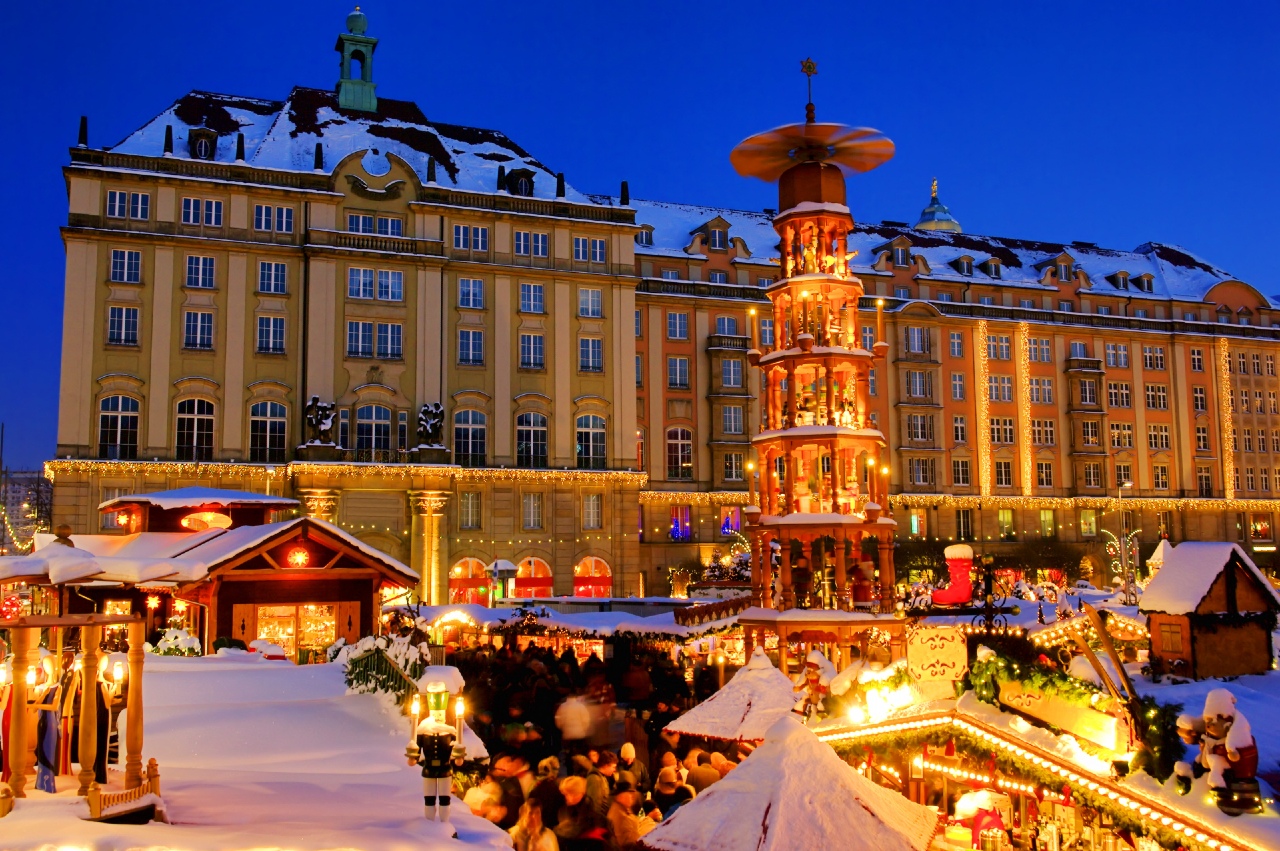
794	792
744	710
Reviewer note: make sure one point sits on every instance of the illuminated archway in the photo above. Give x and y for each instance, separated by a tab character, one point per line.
469	582
592	578
533	578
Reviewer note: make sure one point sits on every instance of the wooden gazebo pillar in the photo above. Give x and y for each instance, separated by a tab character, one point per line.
842	586
17	745
90	641
133	729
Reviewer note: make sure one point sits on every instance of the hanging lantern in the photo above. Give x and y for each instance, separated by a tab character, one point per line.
298	557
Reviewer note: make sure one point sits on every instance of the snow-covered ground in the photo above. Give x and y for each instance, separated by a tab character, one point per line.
261	755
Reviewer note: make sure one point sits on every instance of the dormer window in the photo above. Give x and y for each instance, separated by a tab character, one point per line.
717	238
202	144
518	181
644	237
965	266
1122	280
1065	272
992	268
1144	283
902	257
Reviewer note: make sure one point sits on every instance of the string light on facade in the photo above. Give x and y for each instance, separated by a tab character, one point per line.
983	425
1226	414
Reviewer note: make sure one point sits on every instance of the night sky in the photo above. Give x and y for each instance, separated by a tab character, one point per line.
1115	123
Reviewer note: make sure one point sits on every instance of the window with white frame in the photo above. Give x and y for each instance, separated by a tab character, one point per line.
1079	349
733	470
639	371
718	277
592	510
471	293
272	277
390	226
920	471
590	302
677	325
964	524
1202	438
1121	436
1004	474
1088	391
580	249
470	238
1157	436
1092	474
390	285
359	339
359	223
1160	476
1119	394
1002	429
959	429
957	344
1044	432
590	432
960	472
920	427
390	340
598	252
267	430
1090	433
267	218
1153	357
731	372
122	326
1157	397
271	335
118	428
197	329
679	453
522	243
919	384
999	347
917	340
1044	474
126	266
471	347
469	438
532	298
532	351
540	243
727	326
469	510
128	205
531	510
766	332
200	272
590	354
194	430
717	238
678	373
360	282
531	440
731	419
957	386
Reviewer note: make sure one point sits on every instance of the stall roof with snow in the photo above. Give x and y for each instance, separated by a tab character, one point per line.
744	710
795	792
1210	612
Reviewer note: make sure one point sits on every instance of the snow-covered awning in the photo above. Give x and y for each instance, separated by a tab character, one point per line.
744	710
1189	571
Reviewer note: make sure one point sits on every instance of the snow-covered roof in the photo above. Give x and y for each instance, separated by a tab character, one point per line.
795	792
1189	571
1175	272
283	135
744	710
194	497
150	556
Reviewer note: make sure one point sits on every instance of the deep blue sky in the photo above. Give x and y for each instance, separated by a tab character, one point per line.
1115	123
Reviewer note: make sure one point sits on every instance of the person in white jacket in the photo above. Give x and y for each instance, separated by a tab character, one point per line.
573	718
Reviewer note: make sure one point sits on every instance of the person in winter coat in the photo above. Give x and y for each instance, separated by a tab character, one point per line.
625	827
669	793
702	775
627	762
600	782
530	834
578	826
547	791
573	718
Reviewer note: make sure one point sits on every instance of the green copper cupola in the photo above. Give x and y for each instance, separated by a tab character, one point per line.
355	82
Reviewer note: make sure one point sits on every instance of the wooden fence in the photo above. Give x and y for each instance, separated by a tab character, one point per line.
100	801
375	671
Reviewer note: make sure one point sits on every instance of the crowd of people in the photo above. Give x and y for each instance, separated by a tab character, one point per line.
579	756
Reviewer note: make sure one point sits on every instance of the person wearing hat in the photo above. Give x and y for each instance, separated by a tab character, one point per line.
547	791
624	825
627	762
669	793
702	774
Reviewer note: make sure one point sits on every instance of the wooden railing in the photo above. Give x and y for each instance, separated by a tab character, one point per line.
6	800
100	801
376	671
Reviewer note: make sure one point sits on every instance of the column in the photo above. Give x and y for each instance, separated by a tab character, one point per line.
133	730
842	589
786	593
829	376
90	639
887	586
790	419
757	571
433	582
16	745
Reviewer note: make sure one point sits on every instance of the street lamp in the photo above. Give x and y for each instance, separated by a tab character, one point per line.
1130	598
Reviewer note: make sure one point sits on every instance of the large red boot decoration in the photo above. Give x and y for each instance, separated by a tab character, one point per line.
960	566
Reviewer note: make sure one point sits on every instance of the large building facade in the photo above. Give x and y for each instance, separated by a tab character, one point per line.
235	258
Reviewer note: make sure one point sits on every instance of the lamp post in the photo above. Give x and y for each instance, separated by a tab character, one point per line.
1129	596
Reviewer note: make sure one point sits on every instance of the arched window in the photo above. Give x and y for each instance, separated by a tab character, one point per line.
531	440
195	430
469	438
373	427
591	449
592	578
469	582
679	453
118	428
267	426
533	578
524	186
